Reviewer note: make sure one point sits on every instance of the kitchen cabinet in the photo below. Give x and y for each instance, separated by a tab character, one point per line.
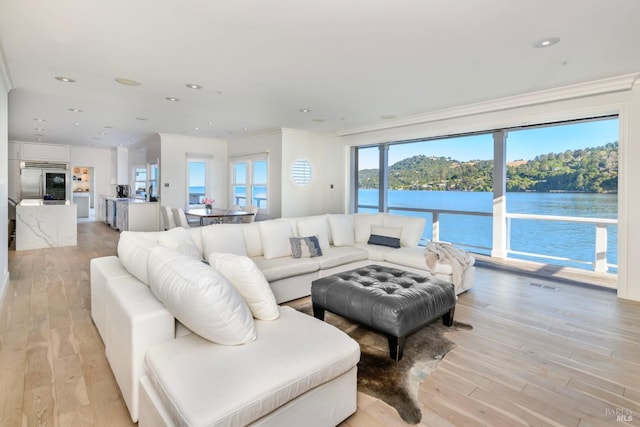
45	152
129	214
101	211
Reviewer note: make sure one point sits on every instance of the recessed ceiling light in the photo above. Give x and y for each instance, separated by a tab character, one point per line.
546	42
127	82
172	99
318	120
210	123
38	134
65	79
141	118
388	117
102	133
39	129
37	119
76	124
304	110
75	110
196	128
38	139
193	86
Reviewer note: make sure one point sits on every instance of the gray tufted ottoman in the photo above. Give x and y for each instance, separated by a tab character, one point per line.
389	300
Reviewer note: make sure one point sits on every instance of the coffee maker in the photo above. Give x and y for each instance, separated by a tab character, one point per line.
122	191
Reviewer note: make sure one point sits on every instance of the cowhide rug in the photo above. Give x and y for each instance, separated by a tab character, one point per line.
395	383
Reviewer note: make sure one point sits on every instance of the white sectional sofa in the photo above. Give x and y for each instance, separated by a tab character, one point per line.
197	344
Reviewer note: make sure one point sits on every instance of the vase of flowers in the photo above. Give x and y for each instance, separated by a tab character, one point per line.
208	204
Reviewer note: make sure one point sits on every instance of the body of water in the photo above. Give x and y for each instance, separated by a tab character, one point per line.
561	239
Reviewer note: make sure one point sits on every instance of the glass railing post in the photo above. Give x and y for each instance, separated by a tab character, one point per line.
435	227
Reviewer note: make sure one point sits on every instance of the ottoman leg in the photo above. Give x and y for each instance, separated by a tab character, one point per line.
396	347
447	318
318	312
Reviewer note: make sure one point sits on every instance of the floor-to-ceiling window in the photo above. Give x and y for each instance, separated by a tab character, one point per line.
566	170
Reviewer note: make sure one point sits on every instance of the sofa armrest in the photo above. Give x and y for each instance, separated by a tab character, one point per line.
135	321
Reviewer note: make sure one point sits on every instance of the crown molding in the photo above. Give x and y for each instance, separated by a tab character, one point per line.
4	72
580	90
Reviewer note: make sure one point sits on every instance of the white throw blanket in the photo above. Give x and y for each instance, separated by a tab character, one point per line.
446	253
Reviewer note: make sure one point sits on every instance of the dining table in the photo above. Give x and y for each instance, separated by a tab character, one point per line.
216	213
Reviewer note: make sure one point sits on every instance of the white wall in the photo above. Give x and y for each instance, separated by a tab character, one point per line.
173	168
4	186
100	160
318	197
624	101
267	142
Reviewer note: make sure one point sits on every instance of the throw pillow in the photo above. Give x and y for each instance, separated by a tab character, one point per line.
133	252
223	238
315	226
200	298
412	228
305	247
275	238
362	225
385	236
178	239
342	231
250	283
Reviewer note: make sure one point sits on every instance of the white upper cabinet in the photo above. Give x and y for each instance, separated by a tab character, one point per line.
45	152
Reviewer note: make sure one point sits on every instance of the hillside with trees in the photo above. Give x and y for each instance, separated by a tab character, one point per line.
591	170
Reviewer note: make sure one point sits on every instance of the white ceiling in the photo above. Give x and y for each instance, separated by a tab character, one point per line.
261	61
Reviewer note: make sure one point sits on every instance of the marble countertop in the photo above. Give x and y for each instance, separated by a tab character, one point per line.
40	202
124	200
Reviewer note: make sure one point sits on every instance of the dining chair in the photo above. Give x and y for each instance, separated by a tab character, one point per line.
167	217
180	218
254	210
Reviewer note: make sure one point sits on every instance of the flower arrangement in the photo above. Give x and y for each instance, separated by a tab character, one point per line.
208	202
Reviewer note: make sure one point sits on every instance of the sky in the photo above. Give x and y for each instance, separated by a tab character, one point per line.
521	144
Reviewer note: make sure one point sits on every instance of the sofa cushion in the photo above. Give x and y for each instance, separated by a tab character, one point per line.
281	268
275	238
223	238
178	239
305	247
376	252
336	256
249	281
204	384
252	239
412	228
200	297
315	226
342	232
362	225
133	252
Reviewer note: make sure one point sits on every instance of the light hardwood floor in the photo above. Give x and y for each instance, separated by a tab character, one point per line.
541	352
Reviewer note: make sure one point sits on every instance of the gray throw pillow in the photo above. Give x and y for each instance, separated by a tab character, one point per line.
305	247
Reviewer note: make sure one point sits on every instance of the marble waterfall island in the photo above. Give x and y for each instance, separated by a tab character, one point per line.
45	224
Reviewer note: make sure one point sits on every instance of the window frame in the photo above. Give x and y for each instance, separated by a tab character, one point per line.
249	182
207	161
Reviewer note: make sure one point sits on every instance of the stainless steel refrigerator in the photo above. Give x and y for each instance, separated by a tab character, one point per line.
41	180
